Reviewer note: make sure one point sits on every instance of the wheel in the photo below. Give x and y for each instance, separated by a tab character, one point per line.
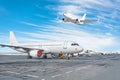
68	56
29	57
45	56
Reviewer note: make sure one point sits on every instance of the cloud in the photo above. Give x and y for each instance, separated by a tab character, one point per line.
41	16
4	39
86	35
86	3
89	3
85	39
73	9
93	8
82	6
98	36
30	24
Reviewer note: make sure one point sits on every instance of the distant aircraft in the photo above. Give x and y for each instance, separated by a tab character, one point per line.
72	18
40	50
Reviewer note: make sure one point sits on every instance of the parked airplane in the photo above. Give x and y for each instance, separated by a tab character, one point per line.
72	18
40	50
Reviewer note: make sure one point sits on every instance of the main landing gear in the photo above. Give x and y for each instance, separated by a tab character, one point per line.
68	56
45	56
29	56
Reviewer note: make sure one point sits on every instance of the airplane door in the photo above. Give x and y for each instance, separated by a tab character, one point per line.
65	45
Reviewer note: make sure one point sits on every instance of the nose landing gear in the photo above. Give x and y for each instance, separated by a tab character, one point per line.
68	56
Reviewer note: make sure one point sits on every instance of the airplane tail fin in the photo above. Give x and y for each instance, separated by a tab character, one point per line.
13	40
83	17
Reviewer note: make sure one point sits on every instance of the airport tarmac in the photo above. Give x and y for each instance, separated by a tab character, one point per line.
96	67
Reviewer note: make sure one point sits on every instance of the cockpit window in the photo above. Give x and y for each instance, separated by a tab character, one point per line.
74	44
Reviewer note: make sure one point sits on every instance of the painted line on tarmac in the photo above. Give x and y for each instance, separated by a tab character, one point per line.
56	75
68	72
34	76
12	72
81	68
29	75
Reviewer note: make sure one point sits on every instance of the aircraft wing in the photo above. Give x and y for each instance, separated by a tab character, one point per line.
20	47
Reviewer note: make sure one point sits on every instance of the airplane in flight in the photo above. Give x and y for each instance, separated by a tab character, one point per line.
67	17
40	50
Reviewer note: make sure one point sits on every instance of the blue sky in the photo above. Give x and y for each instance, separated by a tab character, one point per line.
37	20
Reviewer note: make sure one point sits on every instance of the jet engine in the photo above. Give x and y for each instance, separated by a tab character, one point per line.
63	19
36	53
76	19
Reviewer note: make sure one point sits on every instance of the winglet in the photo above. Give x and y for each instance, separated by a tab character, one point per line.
13	40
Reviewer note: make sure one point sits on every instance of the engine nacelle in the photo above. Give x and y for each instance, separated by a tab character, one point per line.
63	19
36	53
76	19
